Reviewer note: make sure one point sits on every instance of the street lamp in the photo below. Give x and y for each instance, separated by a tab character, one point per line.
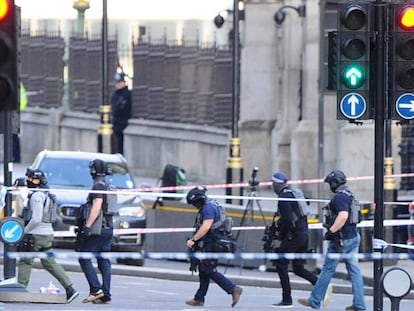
234	171
279	16
81	6
105	133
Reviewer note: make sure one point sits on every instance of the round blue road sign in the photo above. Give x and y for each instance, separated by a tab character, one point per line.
11	230
353	105
404	105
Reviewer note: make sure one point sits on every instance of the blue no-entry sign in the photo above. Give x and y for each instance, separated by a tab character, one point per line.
404	105
353	105
11	230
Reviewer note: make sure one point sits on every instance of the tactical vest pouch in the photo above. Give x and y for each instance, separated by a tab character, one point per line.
26	244
355	215
83	214
111	201
224	245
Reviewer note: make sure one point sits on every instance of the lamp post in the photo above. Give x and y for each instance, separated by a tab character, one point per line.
234	170
81	6
280	16
105	133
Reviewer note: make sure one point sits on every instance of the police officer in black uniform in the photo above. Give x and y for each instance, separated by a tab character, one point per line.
294	239
121	106
99	292
208	213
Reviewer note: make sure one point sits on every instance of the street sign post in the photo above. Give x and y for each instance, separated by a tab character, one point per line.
404	106
353	105
11	230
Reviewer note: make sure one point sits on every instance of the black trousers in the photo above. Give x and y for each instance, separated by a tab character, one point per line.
298	244
119	141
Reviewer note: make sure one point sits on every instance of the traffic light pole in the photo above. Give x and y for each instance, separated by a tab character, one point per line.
9	268
378	97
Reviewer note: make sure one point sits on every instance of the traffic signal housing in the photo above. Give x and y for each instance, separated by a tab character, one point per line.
9	86
402	61
353	73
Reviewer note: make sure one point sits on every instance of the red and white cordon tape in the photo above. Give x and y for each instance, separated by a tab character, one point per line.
362	224
159	191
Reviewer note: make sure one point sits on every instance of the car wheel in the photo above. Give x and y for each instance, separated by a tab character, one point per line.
131	262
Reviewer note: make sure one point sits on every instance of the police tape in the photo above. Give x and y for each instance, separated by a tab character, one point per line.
199	255
382	245
362	224
154	195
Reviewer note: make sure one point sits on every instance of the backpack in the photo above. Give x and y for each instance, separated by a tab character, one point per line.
303	205
49	209
173	176
222	229
355	215
225	224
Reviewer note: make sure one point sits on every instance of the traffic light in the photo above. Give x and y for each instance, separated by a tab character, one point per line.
8	57
332	60
353	73
402	61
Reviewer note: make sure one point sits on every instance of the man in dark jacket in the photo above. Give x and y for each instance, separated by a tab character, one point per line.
294	234
121	103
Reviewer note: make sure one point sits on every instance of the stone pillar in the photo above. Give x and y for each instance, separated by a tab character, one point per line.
260	89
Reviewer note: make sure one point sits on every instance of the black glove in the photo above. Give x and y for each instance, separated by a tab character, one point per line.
330	236
86	232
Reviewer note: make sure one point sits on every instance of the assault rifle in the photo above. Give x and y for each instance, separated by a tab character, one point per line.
194	262
328	222
271	233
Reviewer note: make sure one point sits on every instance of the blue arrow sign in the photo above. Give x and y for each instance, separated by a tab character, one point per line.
353	105
11	230
404	105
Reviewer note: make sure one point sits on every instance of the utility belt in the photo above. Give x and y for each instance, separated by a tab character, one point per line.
107	222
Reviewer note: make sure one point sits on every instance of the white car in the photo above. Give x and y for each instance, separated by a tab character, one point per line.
70	170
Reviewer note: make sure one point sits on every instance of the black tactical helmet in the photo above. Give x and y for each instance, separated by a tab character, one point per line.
32	173
99	167
335	179
197	196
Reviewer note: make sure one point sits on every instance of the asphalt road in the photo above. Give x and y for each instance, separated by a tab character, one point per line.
150	294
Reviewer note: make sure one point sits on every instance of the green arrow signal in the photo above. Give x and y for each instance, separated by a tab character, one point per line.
353	76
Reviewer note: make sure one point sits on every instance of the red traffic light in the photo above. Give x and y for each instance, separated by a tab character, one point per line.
4	9
406	18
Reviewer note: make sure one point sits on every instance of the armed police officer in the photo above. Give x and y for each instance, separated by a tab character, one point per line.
293	233
96	236
39	235
208	214
343	238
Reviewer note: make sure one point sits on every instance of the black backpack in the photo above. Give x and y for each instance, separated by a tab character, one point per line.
173	176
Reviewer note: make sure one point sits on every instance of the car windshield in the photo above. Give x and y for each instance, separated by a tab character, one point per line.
75	173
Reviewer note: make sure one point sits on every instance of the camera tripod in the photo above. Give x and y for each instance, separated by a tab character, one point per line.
248	214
